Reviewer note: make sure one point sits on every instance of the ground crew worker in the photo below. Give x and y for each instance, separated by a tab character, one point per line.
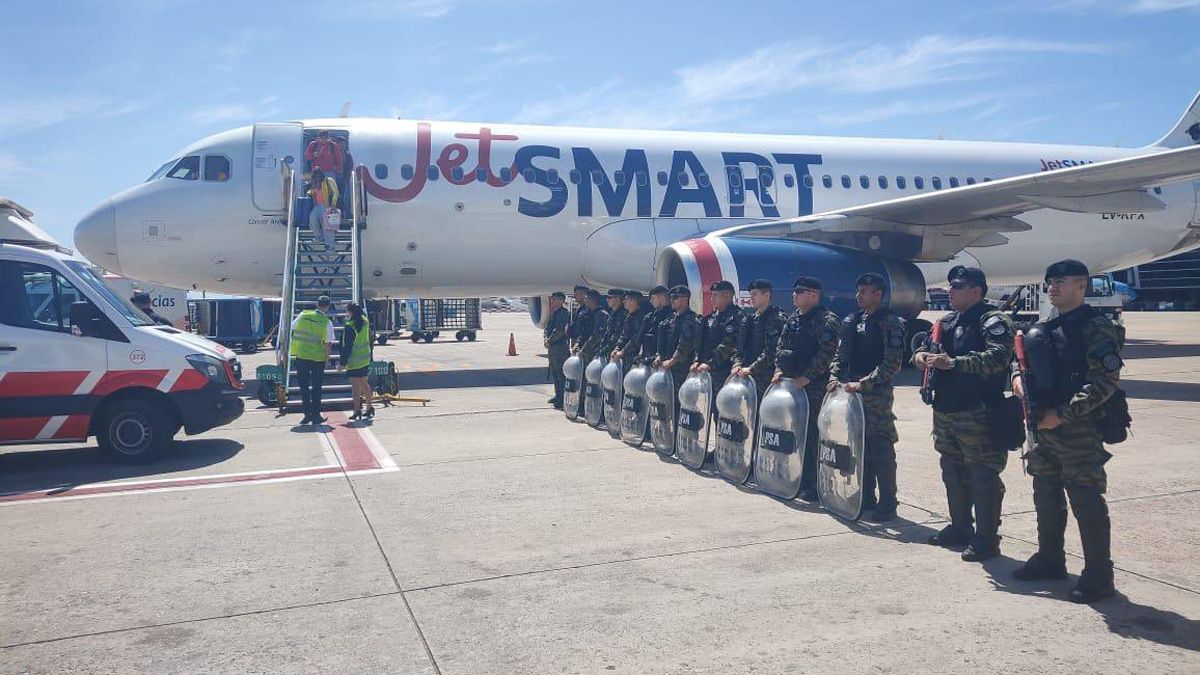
970	367
678	338
142	301
616	321
760	337
356	359
629	344
1084	370
311	342
869	355
806	348
720	332
554	338
660	303
580	328
599	323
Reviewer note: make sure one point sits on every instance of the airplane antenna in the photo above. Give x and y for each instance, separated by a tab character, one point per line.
345	109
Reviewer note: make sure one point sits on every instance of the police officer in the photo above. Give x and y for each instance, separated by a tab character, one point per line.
1069	392
660	303
869	355
580	328
806	347
616	322
760	338
142	301
598	316
970	365
679	337
554	337
629	343
310	345
720	331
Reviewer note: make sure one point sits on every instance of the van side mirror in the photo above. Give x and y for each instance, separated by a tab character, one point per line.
92	323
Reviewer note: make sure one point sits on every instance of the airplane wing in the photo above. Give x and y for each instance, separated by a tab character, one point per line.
935	225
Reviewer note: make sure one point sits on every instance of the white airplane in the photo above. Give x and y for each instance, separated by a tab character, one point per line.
464	209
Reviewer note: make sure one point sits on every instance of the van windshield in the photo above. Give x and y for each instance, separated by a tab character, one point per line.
97	285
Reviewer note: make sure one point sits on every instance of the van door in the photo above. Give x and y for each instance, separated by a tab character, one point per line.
47	371
275	144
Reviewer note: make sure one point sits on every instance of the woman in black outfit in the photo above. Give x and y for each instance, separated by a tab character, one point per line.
359	387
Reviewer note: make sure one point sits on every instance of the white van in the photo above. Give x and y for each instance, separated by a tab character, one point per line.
78	360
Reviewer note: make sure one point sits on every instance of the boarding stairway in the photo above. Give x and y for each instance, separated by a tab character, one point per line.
310	271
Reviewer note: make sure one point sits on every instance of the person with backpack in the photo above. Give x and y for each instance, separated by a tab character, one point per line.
1074	369
324	193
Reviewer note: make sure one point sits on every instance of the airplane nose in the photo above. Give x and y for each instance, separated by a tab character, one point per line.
96	236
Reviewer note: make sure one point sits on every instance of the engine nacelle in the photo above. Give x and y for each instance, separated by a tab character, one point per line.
537	312
697	263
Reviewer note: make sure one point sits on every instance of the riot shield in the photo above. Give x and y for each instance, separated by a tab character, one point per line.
660	395
737	407
782	436
593	400
691	434
635	411
611	386
842	427
573	387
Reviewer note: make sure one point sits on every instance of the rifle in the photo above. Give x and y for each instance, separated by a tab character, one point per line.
1031	430
935	347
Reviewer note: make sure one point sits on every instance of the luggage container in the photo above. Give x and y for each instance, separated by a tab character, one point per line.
235	323
431	317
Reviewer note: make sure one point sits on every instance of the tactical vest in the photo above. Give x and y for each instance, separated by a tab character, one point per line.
956	391
805	341
754	333
360	351
663	346
1058	362
612	332
714	331
676	322
308	337
864	337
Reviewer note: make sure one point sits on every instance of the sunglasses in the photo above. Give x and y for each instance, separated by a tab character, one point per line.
959	285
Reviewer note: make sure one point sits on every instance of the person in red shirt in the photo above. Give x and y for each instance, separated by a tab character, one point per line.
325	155
343	179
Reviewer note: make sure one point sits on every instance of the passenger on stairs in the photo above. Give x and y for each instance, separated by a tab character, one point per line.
324	192
356	359
311	342
343	178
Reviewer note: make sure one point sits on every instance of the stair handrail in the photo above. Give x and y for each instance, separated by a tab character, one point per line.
287	303
357	202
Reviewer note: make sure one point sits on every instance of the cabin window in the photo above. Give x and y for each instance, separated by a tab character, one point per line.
481	175
406	171
702	179
864	182
953	181
619	177
662	178
919	182
187	168
900	182
552	176
431	173
530	175
216	168
457	173
381	171
987	179
827	180
883	182
1158	191
643	178
846	181
808	180
970	180
766	177
683	179
506	174
936	182
788	180
574	175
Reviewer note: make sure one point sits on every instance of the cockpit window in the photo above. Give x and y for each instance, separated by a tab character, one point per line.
216	168
162	170
187	168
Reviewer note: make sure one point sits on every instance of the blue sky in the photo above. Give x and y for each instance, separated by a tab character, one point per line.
98	94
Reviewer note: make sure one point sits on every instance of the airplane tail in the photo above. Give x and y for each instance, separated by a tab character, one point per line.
1186	131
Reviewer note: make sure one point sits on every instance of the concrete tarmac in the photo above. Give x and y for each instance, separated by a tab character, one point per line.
485	533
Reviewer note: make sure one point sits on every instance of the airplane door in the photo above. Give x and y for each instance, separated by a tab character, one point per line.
1196	204
274	145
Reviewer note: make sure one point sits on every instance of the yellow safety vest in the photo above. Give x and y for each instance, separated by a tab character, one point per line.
360	351
309	335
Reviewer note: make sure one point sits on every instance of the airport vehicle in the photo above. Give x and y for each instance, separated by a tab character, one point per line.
78	360
468	209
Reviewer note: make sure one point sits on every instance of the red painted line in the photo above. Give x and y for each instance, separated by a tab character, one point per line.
76	426
119	379
710	268
354	450
22	428
156	485
188	380
47	383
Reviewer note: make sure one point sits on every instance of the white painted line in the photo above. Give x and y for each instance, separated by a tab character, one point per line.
52	426
381	454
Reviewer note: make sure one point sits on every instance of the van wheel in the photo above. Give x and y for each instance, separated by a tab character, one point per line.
429	337
471	336
381	340
135	430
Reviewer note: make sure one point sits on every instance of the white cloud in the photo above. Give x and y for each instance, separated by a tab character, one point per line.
1149	6
870	114
27	114
235	112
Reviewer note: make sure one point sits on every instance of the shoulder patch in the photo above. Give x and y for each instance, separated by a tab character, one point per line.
828	334
1111	362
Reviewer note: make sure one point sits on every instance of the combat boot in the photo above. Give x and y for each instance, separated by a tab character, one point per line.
958	498
1050	560
988	491
884	456
1095	532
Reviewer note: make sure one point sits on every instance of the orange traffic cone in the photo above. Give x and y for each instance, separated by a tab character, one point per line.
512	345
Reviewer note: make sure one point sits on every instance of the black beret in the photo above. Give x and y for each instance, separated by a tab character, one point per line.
581	287
871	279
1066	268
140	298
721	285
972	275
636	295
616	293
681	291
559	294
759	285
659	289
594	294
807	284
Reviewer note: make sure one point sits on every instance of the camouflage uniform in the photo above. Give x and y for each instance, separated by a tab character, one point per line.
651	330
871	351
613	331
756	349
719	341
580	328
555	335
679	338
979	342
1070	458
629	342
806	348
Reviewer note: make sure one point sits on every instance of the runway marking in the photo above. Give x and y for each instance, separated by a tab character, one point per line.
351	451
